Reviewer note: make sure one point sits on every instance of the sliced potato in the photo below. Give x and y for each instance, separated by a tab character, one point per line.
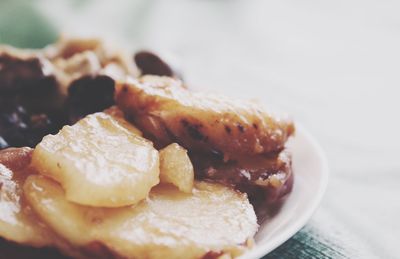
100	161
169	224
176	167
117	114
18	223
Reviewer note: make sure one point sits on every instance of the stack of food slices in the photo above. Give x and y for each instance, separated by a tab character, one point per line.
106	158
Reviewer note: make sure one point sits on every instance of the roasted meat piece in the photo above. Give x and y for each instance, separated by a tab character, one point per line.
19	127
43	90
30	101
21	70
28	78
205	123
263	177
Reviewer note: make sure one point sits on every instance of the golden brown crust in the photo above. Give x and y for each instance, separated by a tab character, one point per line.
168	113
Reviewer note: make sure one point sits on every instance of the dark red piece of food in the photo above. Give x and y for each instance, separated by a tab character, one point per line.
264	177
151	64
89	94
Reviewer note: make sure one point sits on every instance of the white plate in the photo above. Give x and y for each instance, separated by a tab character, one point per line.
310	180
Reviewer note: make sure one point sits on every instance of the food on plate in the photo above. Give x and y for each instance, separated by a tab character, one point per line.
16	158
151	64
28	77
73	58
169	113
17	223
99	161
29	98
212	219
169	224
43	90
233	142
81	101
263	178
176	167
126	161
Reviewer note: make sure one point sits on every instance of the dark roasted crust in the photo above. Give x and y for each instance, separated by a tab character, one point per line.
30	100
19	72
268	178
29	78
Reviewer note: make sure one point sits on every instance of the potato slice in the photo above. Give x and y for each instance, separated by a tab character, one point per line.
169	224
100	161
18	223
176	167
117	114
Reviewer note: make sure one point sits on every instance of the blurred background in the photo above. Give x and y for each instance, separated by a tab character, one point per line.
333	65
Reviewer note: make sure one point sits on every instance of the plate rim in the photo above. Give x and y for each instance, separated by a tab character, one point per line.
259	251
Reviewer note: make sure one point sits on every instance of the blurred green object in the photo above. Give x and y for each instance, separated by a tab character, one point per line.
21	25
